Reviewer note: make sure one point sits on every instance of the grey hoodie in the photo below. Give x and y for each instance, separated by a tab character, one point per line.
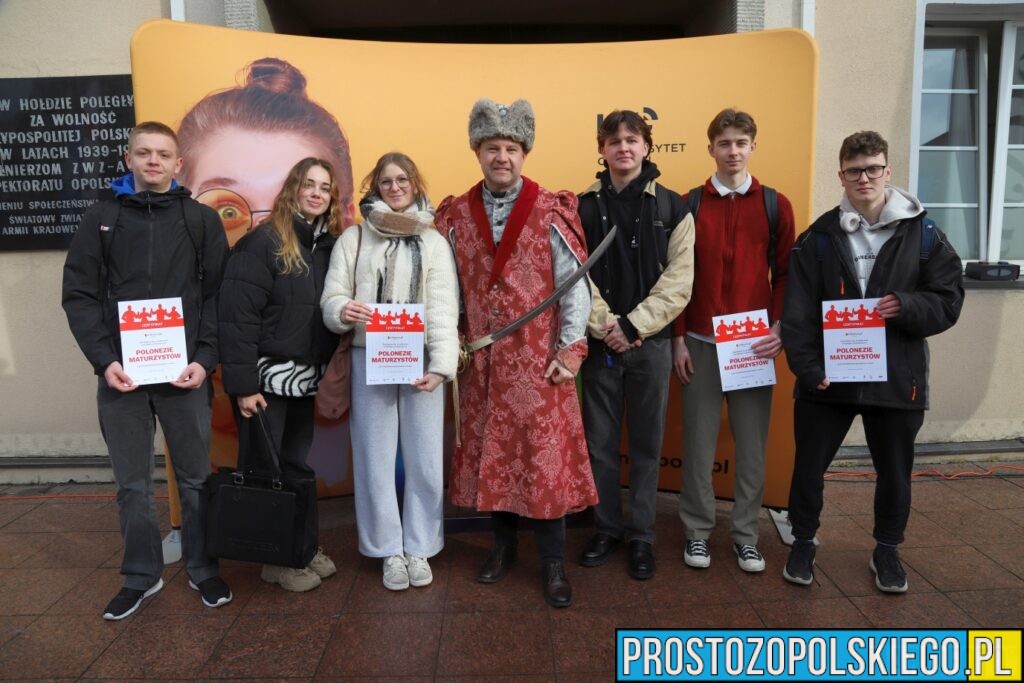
866	239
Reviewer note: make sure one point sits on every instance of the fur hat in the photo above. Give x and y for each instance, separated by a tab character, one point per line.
492	120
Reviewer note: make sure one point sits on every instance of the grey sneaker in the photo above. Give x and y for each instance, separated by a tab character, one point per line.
321	565
396	573
799	567
889	574
290	578
419	570
697	554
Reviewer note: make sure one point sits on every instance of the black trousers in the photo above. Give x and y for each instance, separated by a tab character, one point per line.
550	534
820	429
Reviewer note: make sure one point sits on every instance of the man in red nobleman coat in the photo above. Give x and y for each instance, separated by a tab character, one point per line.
523	452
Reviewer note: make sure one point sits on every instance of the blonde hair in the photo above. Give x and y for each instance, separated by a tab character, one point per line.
286	206
371	182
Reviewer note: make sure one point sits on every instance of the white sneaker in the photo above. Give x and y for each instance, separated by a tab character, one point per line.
697	554
396	573
748	557
419	570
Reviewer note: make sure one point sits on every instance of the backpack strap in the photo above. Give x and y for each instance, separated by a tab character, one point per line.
663	208
108	225
194	222
771	209
929	235
693	199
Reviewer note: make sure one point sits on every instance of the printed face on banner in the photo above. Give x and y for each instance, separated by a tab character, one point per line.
238	173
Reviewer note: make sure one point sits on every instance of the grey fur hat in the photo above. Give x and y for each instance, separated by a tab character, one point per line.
492	120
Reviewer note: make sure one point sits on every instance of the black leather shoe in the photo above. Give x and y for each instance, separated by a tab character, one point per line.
598	550
497	564
641	560
557	591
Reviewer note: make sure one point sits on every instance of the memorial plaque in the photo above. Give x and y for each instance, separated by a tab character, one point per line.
62	142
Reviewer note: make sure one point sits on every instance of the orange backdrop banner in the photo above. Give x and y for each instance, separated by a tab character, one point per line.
416	98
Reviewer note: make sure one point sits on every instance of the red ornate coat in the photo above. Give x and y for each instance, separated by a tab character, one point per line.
523	448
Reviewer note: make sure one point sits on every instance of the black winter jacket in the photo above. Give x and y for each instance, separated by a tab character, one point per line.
930	294
150	255
266	314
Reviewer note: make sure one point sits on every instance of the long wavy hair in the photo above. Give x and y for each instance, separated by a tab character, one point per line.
286	207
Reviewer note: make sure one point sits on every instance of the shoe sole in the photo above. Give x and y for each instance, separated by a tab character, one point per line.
421	583
397	586
878	583
220	602
795	579
641	576
153	590
595	562
759	567
697	563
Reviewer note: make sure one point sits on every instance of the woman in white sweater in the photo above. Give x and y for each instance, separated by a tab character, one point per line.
395	256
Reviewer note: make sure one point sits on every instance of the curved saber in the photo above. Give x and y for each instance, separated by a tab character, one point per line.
559	292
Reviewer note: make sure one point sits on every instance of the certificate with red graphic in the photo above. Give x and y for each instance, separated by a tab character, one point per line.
153	346
738	366
394	344
854	335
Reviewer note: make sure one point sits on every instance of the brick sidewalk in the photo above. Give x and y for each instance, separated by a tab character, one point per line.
59	562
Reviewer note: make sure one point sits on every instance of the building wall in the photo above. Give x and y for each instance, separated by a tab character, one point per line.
47	390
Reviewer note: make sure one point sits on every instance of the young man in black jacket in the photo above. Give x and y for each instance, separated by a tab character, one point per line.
151	241
641	284
876	244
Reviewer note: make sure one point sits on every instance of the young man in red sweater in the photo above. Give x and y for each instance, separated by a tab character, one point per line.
741	265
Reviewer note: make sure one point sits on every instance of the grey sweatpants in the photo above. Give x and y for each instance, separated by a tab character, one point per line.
127	423
749	413
382	417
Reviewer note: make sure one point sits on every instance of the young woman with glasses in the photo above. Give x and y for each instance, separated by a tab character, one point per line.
395	256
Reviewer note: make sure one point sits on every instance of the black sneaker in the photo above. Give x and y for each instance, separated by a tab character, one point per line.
800	565
214	591
889	574
128	600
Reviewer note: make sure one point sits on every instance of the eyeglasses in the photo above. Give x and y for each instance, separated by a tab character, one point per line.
232	208
852	175
401	181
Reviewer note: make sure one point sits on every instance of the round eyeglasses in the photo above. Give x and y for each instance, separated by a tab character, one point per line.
232	208
401	181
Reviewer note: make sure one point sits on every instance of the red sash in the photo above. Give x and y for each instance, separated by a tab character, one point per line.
516	220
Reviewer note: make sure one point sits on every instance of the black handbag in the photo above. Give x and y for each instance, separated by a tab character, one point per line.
259	516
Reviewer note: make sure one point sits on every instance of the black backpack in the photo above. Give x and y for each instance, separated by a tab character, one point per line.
771	209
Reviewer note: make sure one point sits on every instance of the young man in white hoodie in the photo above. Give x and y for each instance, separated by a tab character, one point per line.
876	244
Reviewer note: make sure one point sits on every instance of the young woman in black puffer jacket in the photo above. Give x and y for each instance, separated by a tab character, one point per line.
273	343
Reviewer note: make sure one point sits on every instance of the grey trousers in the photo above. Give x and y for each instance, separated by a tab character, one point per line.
382	417
635	381
749	414
127	423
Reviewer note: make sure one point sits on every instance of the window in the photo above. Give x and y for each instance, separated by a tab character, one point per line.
970	142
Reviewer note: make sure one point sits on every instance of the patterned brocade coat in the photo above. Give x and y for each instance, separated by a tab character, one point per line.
523	448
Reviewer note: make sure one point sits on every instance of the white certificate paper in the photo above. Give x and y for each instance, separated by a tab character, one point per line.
153	346
394	344
738	366
854	335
